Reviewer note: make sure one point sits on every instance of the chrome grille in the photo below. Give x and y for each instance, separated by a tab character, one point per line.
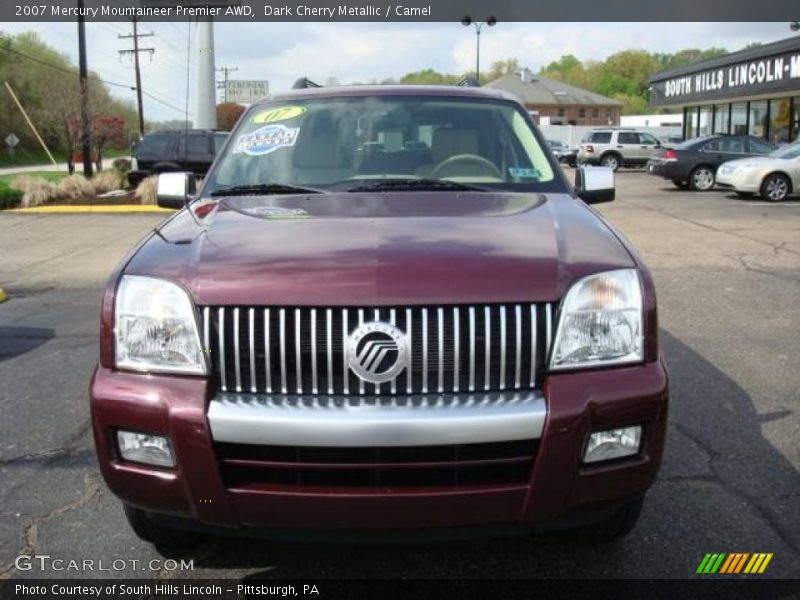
300	350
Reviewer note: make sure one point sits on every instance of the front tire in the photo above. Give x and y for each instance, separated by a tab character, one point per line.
775	188
702	179
611	161
168	541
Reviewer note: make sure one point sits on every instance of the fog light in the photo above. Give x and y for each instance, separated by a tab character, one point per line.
145	448
613	443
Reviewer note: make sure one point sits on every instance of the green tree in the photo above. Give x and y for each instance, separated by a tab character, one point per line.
429	77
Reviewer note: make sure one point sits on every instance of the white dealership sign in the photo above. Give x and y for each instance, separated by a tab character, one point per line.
246	90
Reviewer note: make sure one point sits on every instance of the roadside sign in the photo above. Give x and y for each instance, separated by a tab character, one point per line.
246	90
11	140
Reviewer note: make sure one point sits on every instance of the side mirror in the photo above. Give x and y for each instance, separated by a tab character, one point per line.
594	185
174	189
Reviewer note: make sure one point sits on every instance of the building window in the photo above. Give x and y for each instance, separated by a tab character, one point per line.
595	112
739	118
721	118
795	132
704	121
780	119
582	113
691	122
758	119
560	112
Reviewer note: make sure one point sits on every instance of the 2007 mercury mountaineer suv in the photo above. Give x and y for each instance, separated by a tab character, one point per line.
384	309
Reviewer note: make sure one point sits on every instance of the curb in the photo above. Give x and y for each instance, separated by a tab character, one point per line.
119	208
3	296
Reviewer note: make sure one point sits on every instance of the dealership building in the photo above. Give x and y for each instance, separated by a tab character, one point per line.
755	91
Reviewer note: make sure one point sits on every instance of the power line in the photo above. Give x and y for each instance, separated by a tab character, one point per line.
63	69
135	51
164	102
224	83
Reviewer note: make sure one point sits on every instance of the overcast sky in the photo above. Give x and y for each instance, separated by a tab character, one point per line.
282	52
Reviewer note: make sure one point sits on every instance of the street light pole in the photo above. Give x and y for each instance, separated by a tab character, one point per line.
466	22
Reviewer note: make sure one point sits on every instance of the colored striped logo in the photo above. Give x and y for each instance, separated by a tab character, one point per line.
734	563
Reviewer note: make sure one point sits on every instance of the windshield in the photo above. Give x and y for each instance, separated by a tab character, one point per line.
790	151
341	144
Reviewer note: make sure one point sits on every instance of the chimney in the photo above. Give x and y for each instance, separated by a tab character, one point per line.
526	75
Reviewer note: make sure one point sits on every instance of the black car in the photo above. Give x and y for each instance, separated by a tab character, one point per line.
564	154
693	164
190	150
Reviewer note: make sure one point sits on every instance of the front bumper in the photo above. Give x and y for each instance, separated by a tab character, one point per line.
740	180
558	419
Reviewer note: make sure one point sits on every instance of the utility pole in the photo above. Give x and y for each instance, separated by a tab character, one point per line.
135	51
225	71
206	115
86	134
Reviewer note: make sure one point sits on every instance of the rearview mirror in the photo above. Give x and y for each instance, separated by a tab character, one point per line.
174	189
594	185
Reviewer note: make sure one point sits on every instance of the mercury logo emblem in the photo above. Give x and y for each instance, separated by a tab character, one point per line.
377	352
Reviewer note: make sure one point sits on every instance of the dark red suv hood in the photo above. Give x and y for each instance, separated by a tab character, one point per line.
381	249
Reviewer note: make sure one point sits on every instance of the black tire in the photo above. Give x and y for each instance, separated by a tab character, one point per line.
681	185
611	160
620	524
702	179
775	188
168	541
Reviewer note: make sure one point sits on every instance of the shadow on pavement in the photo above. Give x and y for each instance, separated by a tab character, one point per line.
15	341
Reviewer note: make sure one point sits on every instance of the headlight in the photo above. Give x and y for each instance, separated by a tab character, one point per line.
155	327
601	322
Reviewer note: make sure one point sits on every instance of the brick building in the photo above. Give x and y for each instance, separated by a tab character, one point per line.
558	103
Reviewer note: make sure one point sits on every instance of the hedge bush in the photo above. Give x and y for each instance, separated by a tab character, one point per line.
9	197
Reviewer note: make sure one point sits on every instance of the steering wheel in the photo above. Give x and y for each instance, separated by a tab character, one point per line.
465	159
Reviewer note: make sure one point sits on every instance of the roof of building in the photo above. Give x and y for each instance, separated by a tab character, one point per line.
543	90
762	51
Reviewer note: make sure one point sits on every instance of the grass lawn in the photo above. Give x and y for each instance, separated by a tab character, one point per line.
5	180
24	157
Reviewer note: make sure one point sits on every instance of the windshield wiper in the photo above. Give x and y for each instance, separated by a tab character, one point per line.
392	185
264	189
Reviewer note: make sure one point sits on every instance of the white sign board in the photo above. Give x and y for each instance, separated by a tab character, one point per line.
12	140
246	90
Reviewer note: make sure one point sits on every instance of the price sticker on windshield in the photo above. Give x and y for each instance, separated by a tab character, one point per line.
265	140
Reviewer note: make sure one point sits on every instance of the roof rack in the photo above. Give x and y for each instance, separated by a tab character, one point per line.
303	83
469	81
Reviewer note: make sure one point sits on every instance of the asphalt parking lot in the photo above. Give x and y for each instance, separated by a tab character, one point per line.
728	277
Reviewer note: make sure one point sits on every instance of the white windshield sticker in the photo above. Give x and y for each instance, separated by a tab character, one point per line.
266	139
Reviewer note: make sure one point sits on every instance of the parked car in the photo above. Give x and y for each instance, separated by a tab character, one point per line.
385	308
190	150
693	164
564	154
774	177
616	147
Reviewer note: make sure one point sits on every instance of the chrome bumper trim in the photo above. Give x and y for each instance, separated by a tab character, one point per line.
348	421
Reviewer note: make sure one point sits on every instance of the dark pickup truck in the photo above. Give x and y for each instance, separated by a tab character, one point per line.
190	150
384	309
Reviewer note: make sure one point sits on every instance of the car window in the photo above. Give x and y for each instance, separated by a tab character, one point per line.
759	147
712	146
155	143
197	144
600	137
628	137
646	138
789	151
219	141
732	145
333	143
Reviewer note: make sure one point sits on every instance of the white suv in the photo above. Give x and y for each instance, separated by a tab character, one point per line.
616	148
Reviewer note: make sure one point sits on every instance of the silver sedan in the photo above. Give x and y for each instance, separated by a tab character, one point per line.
773	177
